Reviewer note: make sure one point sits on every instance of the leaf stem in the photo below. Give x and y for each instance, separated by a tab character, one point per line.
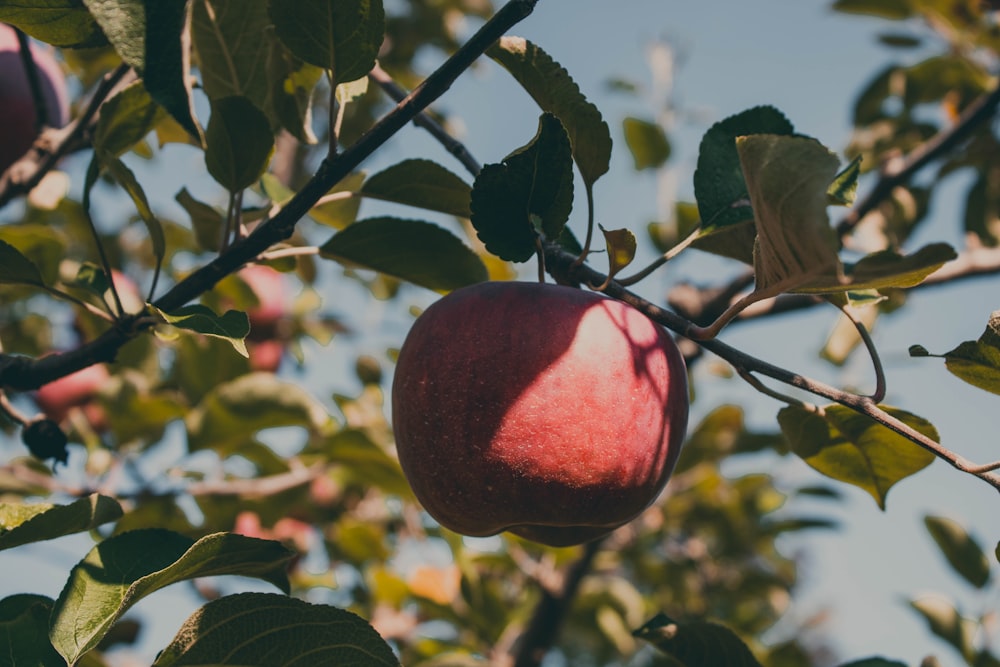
880	386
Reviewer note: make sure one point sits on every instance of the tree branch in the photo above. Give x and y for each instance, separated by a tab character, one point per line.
22	373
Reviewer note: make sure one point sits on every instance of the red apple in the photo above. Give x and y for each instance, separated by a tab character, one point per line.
76	390
17	107
269	287
550	412
266	355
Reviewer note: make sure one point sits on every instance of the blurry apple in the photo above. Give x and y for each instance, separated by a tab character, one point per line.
550	412
76	390
271	290
266	355
17	107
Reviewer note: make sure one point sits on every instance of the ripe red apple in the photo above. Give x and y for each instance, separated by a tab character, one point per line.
269	287
76	390
17	107
547	411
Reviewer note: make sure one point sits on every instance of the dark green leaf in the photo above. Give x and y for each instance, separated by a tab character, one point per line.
239	142
845	184
898	40
234	411
125	568
981	214
64	23
126	118
24	632
887	9
647	142
423	184
127	180
697	643
945	622
229	36
963	553
530	191
232	326
853	448
16	269
555	92
413	250
22	523
206	221
149	36
874	662
342	36
719	187
241	629
976	362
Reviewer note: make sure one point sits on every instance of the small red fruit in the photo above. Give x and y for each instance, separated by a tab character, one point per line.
550	412
17	106
77	389
272	295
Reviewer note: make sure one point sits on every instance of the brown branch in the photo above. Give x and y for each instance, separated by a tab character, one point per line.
23	373
968	121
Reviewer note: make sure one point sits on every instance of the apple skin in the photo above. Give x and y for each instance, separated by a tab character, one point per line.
77	389
269	287
17	108
547	411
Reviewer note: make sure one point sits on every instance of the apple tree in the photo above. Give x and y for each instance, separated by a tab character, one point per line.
187	261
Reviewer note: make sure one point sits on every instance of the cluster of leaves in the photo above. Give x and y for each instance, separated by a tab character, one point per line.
338	495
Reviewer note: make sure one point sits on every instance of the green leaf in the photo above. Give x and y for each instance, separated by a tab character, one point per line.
978	362
342	36
290	99
887	9
855	449
63	23
240	629
963	553
24	632
149	36
787	180
697	643
874	662
232	326
423	184
719	186
412	250
366	462
845	184
530	191
945	622
126	119
232	50
555	92
647	142
125	178
206	220
884	269
23	523
621	246
127	567
239	142
16	269
234	411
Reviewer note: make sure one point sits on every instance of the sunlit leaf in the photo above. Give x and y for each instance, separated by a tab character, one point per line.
647	142
853	448
24	632
976	362
339	212
239	629
233	326
961	550
531	191
845	184
239	142
343	37
697	643
149	36
63	23
947	623
884	269
126	118
555	92
621	246
787	180
234	411
421	183
22	523
719	186
413	250
123	569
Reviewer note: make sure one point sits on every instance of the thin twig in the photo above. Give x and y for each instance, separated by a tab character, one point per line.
859	326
